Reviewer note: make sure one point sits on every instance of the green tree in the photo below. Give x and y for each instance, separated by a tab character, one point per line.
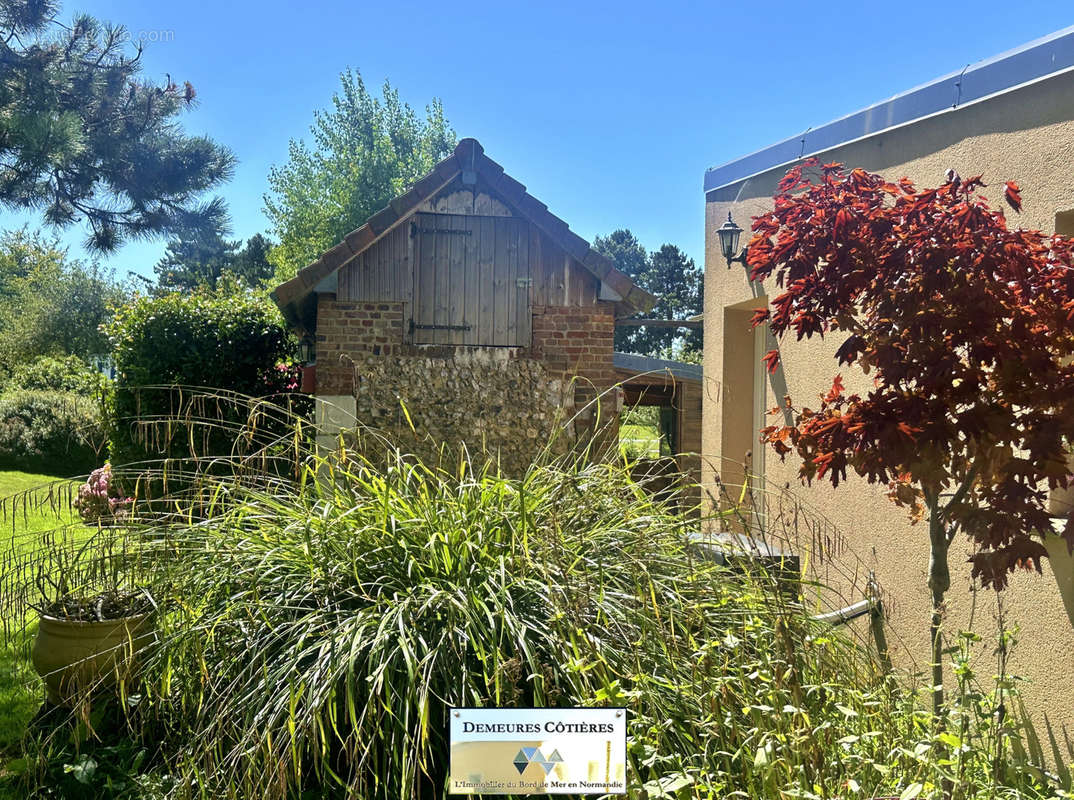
50	305
251	264
196	257
84	140
365	151
202	257
676	281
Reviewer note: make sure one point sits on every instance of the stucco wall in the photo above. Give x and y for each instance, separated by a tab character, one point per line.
1027	136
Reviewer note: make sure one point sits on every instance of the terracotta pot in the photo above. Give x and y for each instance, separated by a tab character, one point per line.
73	657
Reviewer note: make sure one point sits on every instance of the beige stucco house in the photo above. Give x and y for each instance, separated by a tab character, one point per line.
1011	118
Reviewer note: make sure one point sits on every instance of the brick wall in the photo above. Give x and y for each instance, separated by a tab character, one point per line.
348	330
576	341
572	340
502	400
568	340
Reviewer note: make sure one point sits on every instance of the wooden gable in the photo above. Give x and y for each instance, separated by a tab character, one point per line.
376	262
468	271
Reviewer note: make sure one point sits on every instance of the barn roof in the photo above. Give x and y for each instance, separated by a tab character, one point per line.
293	296
644	366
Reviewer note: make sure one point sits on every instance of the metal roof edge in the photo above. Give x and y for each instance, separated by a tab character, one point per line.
1014	69
647	364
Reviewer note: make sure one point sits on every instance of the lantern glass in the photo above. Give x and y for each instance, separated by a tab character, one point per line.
729	235
307	352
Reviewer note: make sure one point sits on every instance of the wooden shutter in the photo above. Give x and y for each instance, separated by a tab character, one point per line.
471	280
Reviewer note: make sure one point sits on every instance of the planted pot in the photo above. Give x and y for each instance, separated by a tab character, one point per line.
74	656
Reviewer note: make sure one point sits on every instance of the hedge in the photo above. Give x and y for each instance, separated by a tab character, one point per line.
60	433
234	341
63	374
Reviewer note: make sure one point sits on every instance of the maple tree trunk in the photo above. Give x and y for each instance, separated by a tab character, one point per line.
939	583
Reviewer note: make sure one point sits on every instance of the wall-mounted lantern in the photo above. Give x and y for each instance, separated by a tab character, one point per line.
729	234
307	350
307	357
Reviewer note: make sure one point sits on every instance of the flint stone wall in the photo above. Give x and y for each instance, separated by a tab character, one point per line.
487	398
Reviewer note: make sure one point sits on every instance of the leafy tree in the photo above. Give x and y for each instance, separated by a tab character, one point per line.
967	329
201	257
50	305
23	254
669	274
251	264
365	151
83	139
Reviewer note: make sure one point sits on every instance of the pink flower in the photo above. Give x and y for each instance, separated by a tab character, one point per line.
97	498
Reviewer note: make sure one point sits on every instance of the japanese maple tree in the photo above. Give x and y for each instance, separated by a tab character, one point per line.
966	328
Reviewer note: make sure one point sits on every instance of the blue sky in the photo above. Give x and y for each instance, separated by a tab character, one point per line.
608	112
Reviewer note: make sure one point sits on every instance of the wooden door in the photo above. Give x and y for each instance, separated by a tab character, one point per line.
471	280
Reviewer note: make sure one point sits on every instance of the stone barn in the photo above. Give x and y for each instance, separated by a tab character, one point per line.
464	312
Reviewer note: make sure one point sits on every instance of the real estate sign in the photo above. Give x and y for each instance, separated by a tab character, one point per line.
538	751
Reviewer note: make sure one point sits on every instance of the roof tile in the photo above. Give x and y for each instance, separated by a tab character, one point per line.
360	239
382	220
597	264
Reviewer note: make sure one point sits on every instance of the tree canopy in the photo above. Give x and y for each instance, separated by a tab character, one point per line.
50	305
203	256
84	140
967	328
365	151
669	274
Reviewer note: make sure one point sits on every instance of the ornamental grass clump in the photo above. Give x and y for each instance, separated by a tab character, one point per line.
326	627
320	612
329	627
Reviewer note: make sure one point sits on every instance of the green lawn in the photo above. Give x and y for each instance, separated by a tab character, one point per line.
20	692
639	433
639	441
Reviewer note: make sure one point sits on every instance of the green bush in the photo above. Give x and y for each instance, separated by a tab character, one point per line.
60	433
234	340
64	374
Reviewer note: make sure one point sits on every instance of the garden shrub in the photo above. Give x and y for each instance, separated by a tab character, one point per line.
234	340
63	374
60	433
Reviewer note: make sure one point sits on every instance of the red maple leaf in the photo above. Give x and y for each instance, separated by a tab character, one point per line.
966	328
1013	195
